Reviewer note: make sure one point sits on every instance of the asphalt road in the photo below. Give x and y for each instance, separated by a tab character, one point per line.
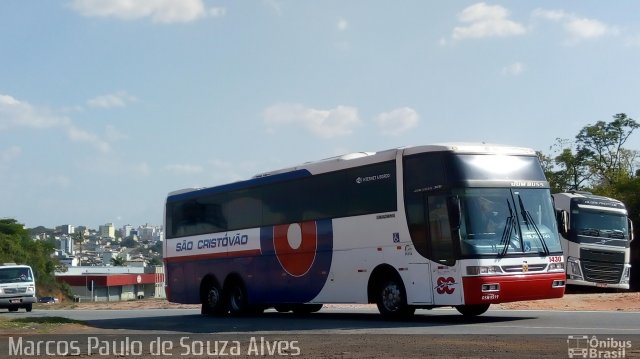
332	333
354	321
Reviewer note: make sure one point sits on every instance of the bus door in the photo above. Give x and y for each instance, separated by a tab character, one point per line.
446	278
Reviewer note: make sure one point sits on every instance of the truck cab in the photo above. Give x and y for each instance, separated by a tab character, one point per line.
596	235
17	287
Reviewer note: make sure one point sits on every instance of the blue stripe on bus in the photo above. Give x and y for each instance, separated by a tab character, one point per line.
240	185
265	278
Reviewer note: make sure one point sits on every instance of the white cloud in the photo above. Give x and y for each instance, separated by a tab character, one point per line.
118	99
514	69
184	169
14	113
79	135
397	121
20	114
160	11
336	122
342	25
577	27
486	21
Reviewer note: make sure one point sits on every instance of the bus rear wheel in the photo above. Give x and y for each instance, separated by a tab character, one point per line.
237	299
213	301
392	299
472	310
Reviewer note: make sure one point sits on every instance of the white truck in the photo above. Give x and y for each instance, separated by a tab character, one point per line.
17	287
595	239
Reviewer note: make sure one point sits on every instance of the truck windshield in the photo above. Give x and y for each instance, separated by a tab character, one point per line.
504	221
589	224
15	275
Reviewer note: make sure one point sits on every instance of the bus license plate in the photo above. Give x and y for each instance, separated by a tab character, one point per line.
14	301
602	285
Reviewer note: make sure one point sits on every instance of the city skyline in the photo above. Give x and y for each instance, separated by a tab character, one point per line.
107	107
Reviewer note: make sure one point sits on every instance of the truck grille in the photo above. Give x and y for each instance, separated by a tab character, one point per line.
15	290
602	272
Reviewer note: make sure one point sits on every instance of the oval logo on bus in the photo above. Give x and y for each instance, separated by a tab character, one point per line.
296	246
297	259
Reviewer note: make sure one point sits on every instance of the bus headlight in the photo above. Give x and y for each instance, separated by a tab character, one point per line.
573	268
483	270
31	289
556	267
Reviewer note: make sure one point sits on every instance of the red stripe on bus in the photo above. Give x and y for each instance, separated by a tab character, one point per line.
512	288
196	257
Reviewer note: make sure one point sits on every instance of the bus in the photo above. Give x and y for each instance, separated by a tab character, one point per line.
456	225
597	240
17	287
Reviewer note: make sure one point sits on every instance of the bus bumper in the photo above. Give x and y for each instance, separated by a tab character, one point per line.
502	289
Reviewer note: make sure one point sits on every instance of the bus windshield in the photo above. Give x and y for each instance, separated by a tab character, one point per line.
600	224
504	221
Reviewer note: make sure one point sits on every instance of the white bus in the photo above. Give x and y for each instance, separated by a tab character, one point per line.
457	225
597	240
17	287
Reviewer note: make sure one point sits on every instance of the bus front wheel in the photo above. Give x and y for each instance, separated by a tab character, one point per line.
392	299
472	310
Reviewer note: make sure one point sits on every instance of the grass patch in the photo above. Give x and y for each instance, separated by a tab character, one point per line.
39	324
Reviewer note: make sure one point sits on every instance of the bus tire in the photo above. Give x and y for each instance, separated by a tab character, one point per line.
472	310
306	308
28	307
237	299
212	299
391	299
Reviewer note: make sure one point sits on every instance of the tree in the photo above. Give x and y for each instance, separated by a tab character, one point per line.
119	261
17	246
602	146
78	238
154	262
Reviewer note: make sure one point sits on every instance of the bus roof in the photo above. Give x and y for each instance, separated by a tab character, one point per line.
353	160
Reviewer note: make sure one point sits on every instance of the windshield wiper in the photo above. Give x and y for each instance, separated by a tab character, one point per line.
506	233
529	220
589	232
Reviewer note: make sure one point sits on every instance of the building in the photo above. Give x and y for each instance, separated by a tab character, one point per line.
102	284
65	229
66	244
107	231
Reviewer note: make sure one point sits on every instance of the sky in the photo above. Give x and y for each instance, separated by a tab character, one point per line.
106	106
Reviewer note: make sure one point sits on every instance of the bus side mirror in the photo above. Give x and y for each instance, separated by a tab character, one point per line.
630	229
562	217
453	207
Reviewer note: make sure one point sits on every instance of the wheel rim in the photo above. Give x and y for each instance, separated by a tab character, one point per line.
213	297
391	297
236	299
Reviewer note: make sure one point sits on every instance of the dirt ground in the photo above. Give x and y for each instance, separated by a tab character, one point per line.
610	301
